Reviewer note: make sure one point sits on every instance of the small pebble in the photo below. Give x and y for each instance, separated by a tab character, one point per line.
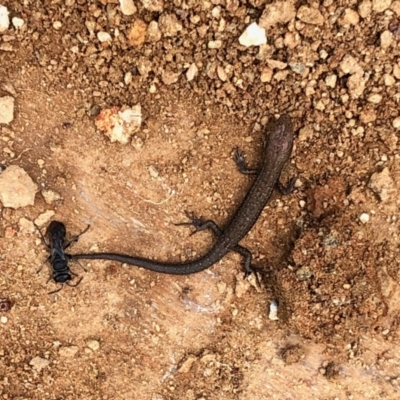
3	319
17	22
44	218
273	311
93	345
127	7
396	123
364	218
187	364
50	196
253	36
304	273
191	72
57	25
153	171
104	37
346	286
68	351
39	363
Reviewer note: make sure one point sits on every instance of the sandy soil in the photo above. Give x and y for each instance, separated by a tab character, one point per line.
128	333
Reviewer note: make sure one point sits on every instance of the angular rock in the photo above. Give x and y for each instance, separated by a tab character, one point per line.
17	189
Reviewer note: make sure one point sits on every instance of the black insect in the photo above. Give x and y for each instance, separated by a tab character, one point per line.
61	273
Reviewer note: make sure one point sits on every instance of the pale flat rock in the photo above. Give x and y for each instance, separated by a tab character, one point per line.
44	218
280	12
17	189
39	363
6	109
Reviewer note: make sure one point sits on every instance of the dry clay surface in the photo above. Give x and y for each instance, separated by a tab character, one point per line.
328	252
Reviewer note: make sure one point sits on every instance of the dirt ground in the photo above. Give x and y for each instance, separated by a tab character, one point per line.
329	251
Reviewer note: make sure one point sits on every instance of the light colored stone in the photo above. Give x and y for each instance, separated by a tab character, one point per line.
6	109
375	98
214	44
4	20
273	311
187	364
365	8
356	84
221	73
16	188
331	80
153	5
39	363
127	7
349	65
386	39
18	22
104	37
382	184
396	123
50	196
93	344
169	77
350	17
44	218
395	6
364	218
153	32
57	25
169	24
278	12
68	351
191	72
253	35
120	124
389	80
26	226
310	15
381	5
266	74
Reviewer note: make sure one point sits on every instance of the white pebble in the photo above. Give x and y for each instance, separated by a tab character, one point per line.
127	7
17	22
3	319
273	311
4	20
253	36
104	37
364	218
